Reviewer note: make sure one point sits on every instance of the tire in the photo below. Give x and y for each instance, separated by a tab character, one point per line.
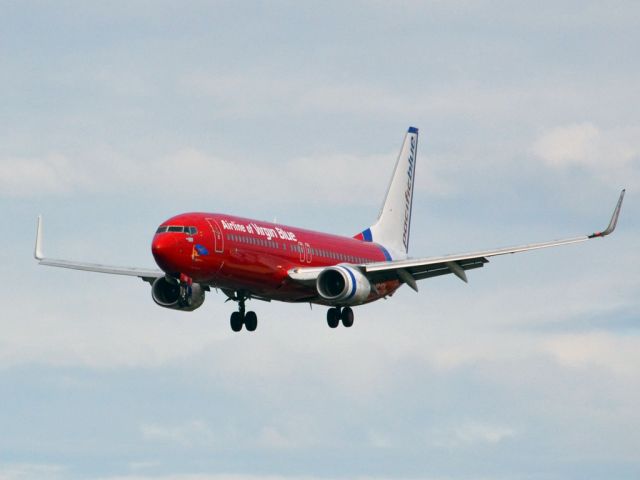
333	317
251	321
236	321
347	317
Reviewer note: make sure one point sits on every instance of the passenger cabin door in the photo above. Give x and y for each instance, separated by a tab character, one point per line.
218	238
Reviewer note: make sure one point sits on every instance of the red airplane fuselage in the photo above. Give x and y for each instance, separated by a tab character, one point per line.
240	254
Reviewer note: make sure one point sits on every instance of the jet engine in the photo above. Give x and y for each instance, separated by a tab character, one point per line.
166	294
343	285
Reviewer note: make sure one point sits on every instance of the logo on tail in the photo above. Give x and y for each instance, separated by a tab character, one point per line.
408	194
393	227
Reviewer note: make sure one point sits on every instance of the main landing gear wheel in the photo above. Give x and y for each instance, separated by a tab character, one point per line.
239	318
333	317
251	321
347	317
236	321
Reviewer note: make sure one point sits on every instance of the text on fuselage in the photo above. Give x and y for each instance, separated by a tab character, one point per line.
254	229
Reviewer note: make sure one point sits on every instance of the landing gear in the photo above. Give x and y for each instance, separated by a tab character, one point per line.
347	317
333	317
335	314
185	292
185	296
239	318
236	321
251	321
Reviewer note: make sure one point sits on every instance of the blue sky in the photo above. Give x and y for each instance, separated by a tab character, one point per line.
118	115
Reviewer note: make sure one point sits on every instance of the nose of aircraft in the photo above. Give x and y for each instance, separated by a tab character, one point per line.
163	250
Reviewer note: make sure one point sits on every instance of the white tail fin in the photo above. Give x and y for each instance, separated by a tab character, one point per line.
393	227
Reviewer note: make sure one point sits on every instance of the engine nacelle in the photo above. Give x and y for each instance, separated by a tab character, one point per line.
166	294
343	285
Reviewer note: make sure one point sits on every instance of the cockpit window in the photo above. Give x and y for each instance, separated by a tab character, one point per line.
177	229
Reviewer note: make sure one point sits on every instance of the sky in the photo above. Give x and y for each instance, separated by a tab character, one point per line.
117	115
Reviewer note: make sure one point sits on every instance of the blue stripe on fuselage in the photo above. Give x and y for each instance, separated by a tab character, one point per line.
387	256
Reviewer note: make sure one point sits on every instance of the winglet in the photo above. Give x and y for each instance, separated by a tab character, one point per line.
614	219
37	252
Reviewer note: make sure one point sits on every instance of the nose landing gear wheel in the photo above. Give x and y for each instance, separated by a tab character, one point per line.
185	295
333	317
347	317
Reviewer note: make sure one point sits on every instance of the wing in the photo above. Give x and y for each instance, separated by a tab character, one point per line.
411	270
147	275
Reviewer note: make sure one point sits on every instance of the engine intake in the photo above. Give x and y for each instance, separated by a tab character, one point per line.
166	294
343	285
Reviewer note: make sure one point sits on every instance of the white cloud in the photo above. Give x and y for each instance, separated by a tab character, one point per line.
195	433
620	355
29	471
612	155
471	433
240	476
333	179
50	174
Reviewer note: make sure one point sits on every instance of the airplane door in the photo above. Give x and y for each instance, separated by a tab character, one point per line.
218	238
309	255
301	249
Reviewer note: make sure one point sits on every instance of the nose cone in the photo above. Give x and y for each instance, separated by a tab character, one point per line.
164	250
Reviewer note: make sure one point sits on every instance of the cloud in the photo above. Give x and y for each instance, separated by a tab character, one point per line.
612	155
189	434
29	471
335	179
50	174
619	355
471	433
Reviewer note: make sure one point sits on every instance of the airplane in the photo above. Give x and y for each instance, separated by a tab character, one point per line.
252	259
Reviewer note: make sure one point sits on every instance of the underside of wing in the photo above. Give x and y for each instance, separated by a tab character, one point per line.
147	275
